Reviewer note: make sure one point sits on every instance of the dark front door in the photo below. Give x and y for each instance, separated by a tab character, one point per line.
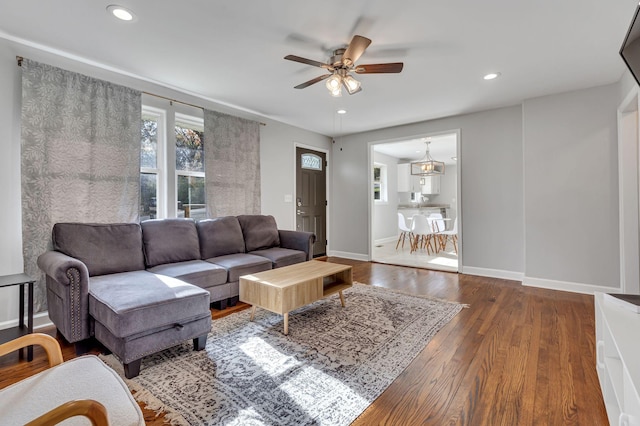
311	196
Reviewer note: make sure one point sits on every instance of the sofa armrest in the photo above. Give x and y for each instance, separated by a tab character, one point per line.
298	240
57	266
67	294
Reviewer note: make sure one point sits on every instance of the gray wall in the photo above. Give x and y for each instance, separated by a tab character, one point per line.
490	158
448	188
385	215
276	153
571	187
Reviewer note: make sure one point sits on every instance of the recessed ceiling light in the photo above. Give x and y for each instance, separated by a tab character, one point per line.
454	158
121	13
491	76
341	111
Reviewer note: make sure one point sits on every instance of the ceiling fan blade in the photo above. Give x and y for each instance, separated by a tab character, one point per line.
314	81
391	67
308	62
355	49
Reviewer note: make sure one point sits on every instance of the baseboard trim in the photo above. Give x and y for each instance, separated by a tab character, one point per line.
568	286
347	255
386	240
40	320
493	273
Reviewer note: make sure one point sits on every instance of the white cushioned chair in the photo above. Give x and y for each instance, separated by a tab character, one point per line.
80	391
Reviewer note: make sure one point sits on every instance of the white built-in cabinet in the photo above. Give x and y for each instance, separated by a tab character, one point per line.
410	183
431	185
406	181
617	355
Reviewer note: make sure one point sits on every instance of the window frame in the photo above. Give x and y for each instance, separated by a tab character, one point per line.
160	116
382	183
195	123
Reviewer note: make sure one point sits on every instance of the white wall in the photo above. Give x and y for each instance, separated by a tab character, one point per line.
490	158
571	188
385	214
276	153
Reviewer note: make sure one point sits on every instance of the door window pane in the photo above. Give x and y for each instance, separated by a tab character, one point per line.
191	199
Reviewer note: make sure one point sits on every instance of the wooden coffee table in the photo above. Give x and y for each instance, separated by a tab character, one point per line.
284	289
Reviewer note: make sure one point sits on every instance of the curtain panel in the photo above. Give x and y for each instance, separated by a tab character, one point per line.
80	156
232	165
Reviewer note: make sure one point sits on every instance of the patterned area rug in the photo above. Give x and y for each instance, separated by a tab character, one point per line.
333	364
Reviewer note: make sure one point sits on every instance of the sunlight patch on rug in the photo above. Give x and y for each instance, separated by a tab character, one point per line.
333	364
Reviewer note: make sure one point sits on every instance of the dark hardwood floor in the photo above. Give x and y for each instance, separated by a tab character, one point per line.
516	356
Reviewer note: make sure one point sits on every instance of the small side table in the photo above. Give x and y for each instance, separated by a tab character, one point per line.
20	330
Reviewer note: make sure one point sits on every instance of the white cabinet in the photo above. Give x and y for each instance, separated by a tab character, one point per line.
617	353
404	177
431	184
406	181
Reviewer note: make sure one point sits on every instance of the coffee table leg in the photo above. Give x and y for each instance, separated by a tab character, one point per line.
253	312
341	298
286	323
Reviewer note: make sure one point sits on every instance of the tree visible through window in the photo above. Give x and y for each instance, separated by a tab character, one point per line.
190	168
149	167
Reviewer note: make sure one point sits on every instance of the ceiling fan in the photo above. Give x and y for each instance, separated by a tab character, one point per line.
342	63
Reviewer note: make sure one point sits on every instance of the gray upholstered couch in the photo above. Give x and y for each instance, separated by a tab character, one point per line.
141	288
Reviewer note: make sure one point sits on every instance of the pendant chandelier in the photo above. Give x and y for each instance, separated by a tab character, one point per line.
427	166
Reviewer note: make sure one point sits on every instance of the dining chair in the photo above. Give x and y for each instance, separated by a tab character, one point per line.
451	235
438	225
422	234
404	231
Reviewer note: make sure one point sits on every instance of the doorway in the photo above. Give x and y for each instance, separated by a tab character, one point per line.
628	161
311	196
397	195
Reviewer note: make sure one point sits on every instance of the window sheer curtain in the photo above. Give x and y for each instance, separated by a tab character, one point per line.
80	156
232	165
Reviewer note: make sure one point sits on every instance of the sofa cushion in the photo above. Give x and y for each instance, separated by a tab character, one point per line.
169	241
103	248
241	264
196	272
260	231
281	256
133	302
220	236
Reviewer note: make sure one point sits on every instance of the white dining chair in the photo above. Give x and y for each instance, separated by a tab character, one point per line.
451	235
405	231
422	234
438	225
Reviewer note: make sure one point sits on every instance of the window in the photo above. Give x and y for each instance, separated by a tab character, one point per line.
190	167
151	159
379	183
169	188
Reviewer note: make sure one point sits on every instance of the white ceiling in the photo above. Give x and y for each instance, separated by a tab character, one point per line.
232	51
441	148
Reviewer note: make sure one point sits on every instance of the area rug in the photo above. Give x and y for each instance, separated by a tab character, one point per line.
333	364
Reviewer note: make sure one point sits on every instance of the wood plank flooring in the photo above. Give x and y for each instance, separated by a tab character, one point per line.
516	356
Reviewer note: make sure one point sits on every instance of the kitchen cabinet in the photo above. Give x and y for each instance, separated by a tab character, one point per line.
404	177
431	185
406	181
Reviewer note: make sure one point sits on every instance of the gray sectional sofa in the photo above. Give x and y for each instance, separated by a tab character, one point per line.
141	288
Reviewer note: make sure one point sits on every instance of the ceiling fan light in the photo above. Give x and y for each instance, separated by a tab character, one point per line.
351	84
336	93
334	82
